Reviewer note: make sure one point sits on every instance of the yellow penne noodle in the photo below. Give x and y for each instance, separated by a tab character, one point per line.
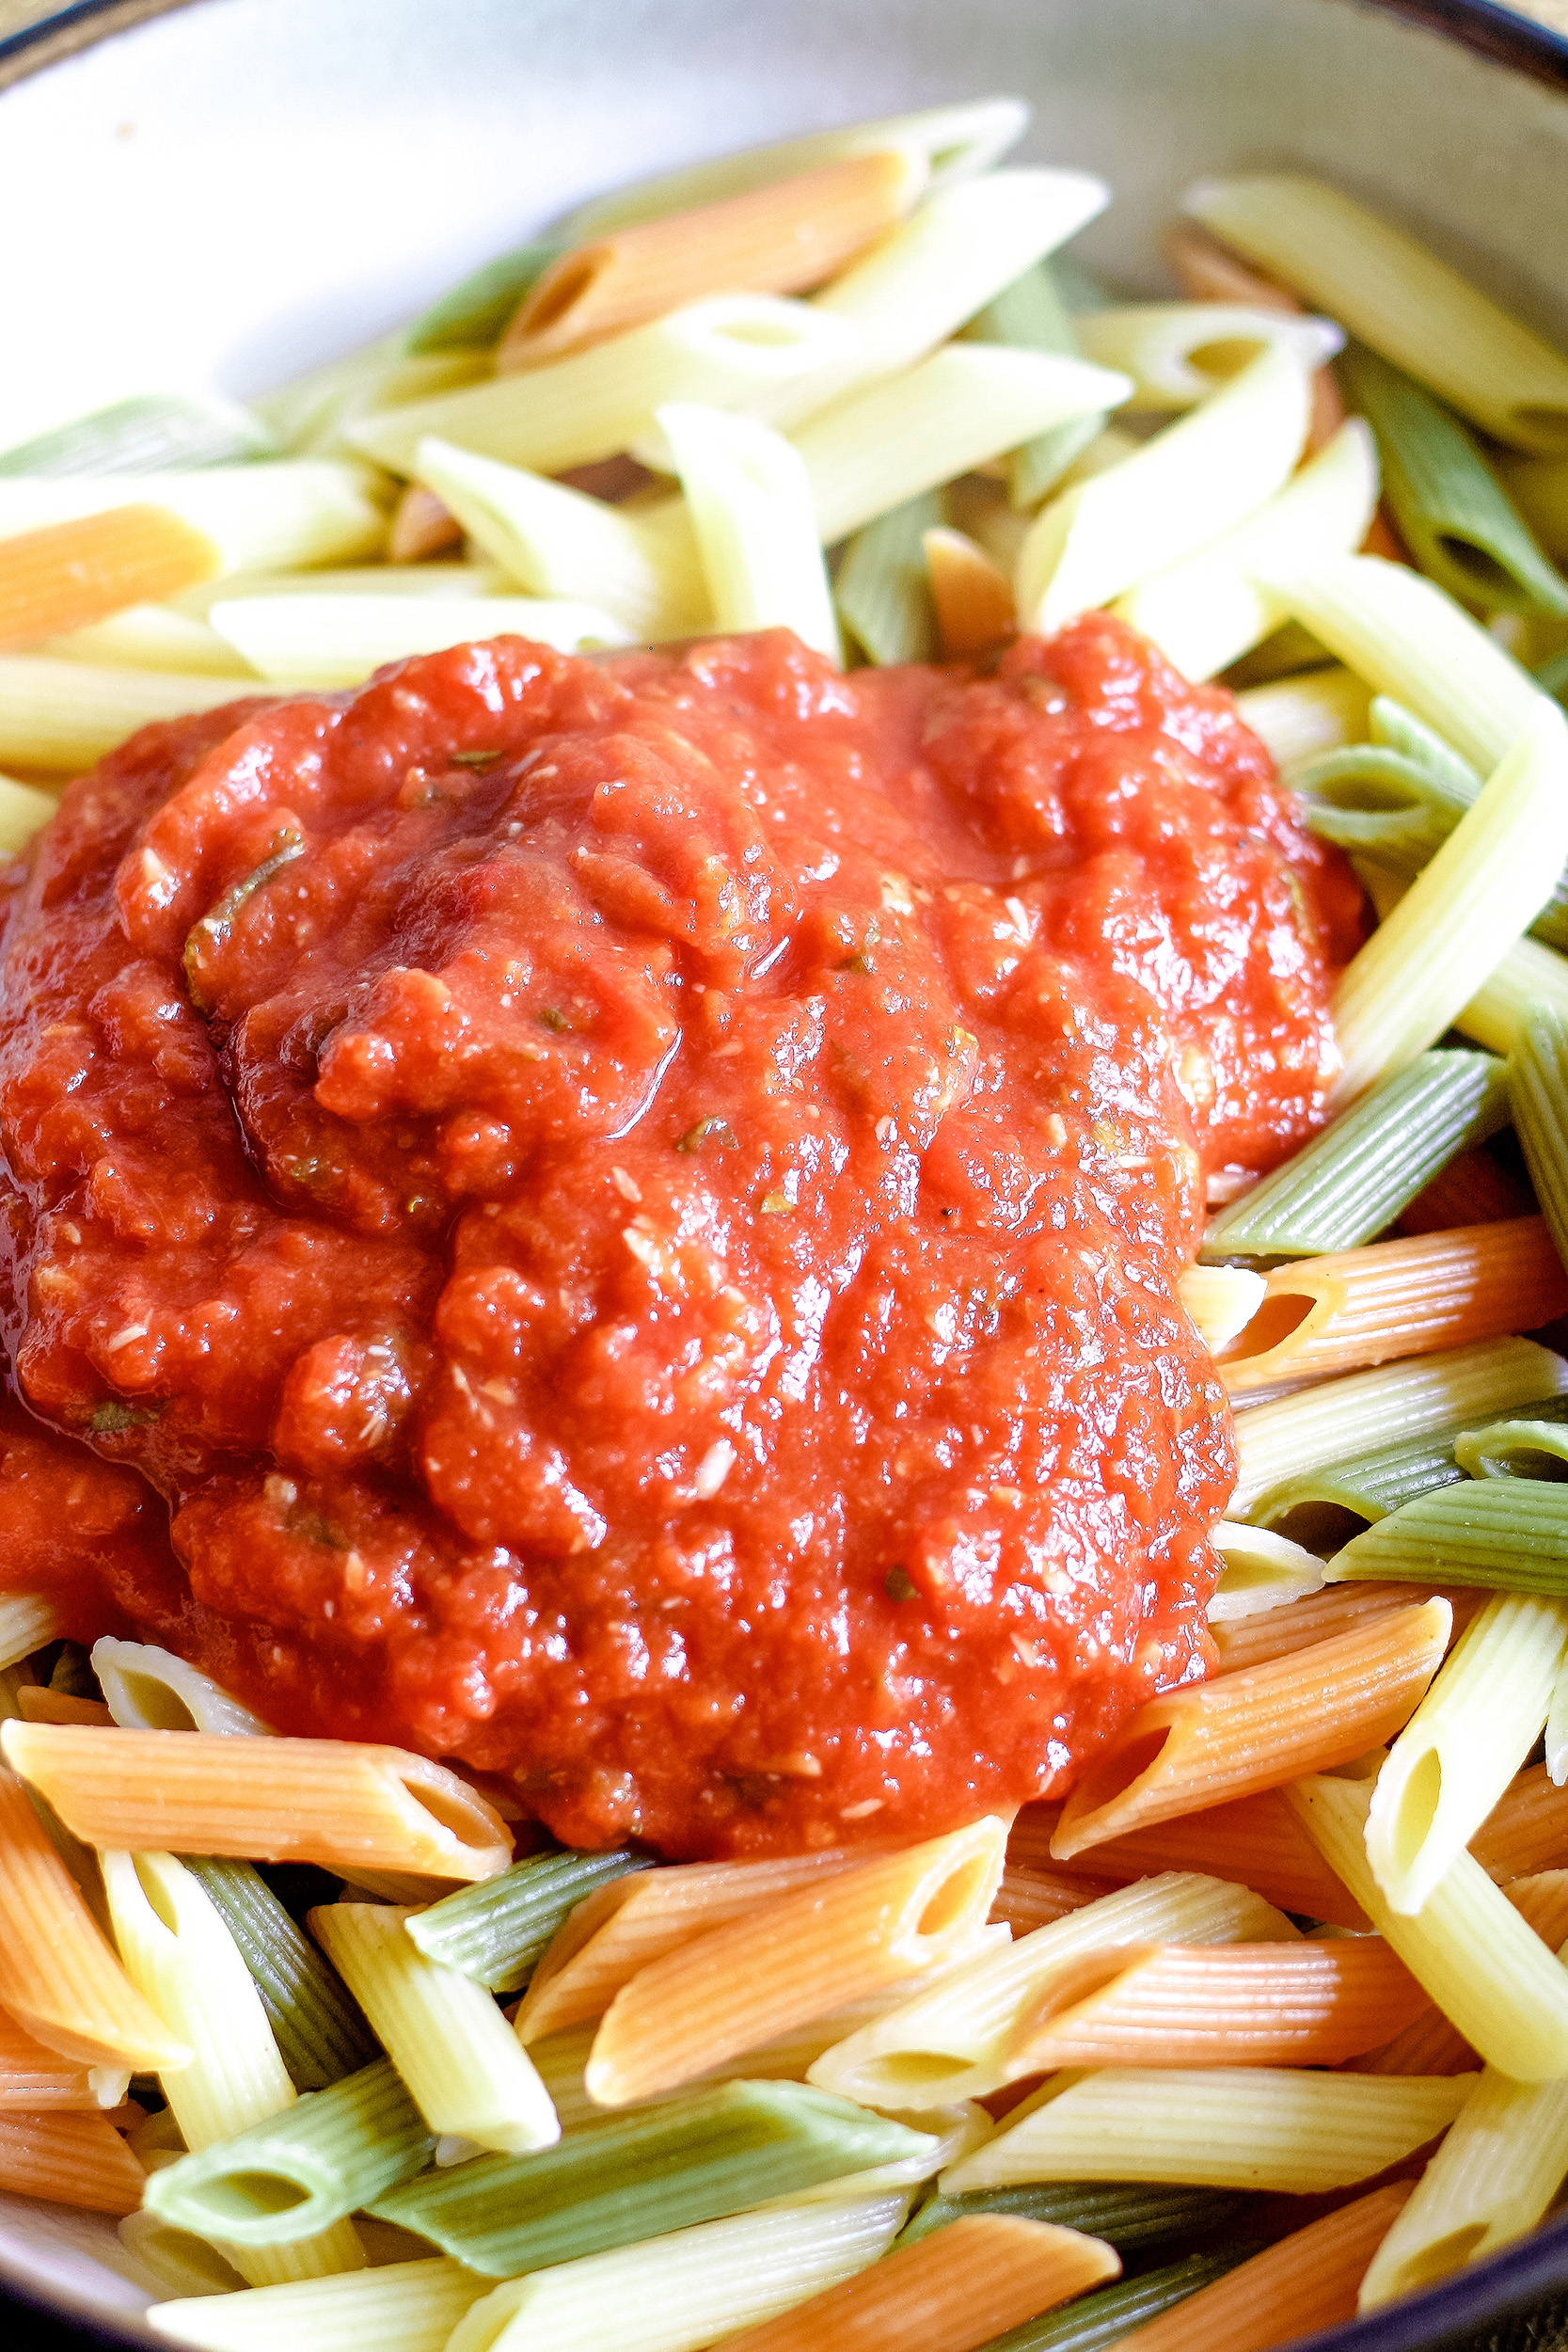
1275	1632
646	572
972	597
24	809
1397	296
731	351
1177	353
1261	1572
634	1921
1204	1743
952	143
406	2307
1256	1843
1299	2004
27	1620
1221	1300
64	716
69	2161
749	497
267	517
1481	890
1530	975
179	2261
1302	717
1207	611
1399	1298
1179	491
154	637
951	2042
1484	1966
781	238
333	1802
1538	486
1309	2281
1463	1744
465	2071
1403	1401
740	1986
1220	2127
73	573
299	642
147	1689
58	1976
187	1967
1405	636
949	2291
34	2077
1491	2180
968	402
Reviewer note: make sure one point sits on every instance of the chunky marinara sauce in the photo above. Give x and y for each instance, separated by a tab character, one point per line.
619	1222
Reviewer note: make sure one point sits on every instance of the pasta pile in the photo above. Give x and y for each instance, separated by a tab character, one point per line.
1299	1931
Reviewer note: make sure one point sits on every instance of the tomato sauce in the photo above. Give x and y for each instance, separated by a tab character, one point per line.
619	1222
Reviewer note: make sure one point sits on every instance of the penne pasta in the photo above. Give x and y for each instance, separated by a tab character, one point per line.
70	574
177	2261
1404	637
320	2034
156	636
1257	1728
1031	1896
749	495
468	2073
779	239
58	1978
303	642
1401	1401
271	517
186	1967
561	544
972	595
27	1622
150	433
422	525
1177	353
406	2307
951	2042
1527	1830
1301	2004
327	1801
64	716
1193	480
1463	1744
1301	718
1259	1572
147	1689
1221	1300
1485	1532
1257	1842
1397	296
1404	1299
1482	888
1494	1979
883	588
625	1927
746	351
1309	2281
1228	2127
499	1931
34	2077
742	1985
1030	315
953	143
983	2275
1531	976
68	2160
1207	611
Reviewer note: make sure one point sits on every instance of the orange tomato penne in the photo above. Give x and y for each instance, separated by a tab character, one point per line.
972	597
38	1706
70	2160
1300	2004
1032	1895
1359	1307
1309	2281
815	1950
58	1976
1255	1841
33	2076
949	2291
779	240
72	573
1527	1830
633	1921
1297	1624
1209	1743
422	525
335	1802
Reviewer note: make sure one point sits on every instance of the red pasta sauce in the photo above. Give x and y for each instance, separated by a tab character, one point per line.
618	1222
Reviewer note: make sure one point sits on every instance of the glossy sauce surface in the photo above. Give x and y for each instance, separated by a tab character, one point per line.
630	1211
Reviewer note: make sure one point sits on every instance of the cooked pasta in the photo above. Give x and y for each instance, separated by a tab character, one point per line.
750	498
68	2160
1307	2281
